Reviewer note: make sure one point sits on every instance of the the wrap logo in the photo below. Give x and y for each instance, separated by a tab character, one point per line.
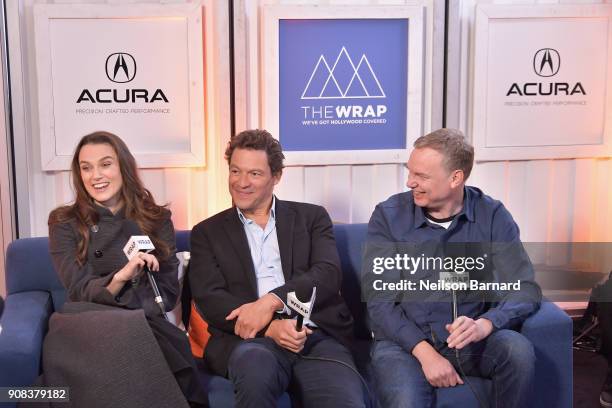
343	80
129	251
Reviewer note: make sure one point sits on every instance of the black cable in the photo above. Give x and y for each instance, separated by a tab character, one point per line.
331	360
454	310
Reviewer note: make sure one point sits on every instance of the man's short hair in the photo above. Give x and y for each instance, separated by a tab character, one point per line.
458	153
258	139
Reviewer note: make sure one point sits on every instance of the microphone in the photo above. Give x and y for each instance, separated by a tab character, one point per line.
455	281
142	243
136	244
459	281
303	309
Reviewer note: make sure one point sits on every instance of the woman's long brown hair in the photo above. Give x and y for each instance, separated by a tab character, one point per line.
138	202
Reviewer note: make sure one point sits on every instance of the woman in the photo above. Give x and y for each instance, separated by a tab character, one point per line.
109	334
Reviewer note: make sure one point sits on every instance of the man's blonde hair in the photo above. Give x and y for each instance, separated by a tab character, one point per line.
458	153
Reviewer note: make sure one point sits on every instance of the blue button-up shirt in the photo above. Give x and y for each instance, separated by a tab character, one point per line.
265	252
482	219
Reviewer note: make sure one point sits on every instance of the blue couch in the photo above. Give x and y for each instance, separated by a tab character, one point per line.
34	292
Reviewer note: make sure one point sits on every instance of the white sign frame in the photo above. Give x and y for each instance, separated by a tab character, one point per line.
193	13
272	14
485	14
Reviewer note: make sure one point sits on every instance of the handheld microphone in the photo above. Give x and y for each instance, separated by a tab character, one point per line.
136	244
303	309
142	243
456	281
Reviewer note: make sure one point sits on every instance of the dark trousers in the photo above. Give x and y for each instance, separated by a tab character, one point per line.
505	356
262	371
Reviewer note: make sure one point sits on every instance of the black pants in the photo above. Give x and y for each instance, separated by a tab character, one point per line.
262	371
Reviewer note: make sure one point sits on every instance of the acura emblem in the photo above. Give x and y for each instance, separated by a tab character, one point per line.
120	67
546	62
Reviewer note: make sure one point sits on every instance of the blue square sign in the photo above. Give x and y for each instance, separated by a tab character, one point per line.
343	84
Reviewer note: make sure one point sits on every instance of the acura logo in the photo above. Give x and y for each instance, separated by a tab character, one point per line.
120	67
546	62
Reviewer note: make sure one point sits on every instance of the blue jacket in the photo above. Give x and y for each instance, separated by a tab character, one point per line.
482	220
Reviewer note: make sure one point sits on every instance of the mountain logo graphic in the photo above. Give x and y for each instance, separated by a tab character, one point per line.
343	80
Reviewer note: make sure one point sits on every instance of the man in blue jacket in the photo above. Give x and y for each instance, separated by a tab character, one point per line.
419	345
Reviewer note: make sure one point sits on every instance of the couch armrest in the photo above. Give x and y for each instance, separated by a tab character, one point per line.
24	325
550	332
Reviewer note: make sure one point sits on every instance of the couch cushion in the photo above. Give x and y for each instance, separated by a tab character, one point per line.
349	240
182	240
29	268
24	324
550	332
198	333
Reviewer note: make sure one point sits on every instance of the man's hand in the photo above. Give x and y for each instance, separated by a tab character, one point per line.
284	334
465	330
254	316
438	371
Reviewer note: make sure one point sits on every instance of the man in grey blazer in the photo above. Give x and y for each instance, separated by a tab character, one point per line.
244	262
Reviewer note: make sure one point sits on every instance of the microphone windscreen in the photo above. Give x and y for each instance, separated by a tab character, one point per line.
303	293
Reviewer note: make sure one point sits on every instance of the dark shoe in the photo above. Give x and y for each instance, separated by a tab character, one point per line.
605	398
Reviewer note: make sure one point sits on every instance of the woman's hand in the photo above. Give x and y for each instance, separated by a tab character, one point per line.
132	270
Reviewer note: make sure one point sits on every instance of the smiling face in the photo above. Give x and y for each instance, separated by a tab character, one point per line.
434	187
101	174
251	183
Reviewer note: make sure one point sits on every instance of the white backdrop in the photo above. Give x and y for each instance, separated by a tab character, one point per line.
155	102
193	193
